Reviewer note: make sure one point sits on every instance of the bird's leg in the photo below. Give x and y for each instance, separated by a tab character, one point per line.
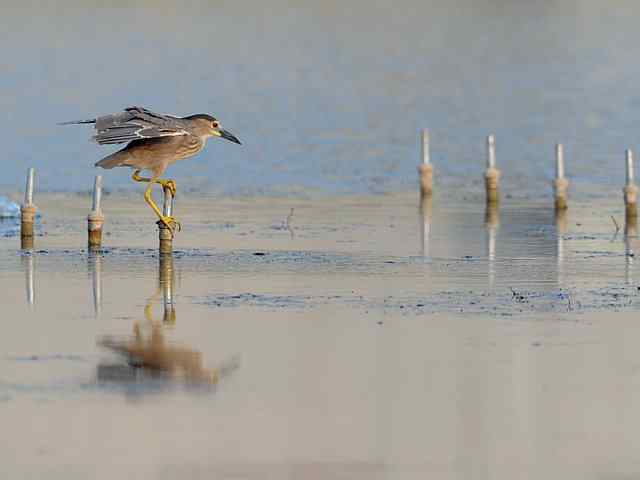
148	308
170	222
137	178
170	184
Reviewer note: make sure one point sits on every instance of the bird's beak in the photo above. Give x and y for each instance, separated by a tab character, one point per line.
229	136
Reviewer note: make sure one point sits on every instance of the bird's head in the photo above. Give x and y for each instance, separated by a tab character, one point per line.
207	126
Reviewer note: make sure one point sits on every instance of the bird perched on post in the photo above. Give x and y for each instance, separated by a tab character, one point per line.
155	141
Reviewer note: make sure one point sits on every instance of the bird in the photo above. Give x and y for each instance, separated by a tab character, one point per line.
154	141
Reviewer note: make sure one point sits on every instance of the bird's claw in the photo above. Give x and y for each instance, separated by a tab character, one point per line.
171	185
171	223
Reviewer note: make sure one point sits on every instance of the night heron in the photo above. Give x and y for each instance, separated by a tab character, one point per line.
155	141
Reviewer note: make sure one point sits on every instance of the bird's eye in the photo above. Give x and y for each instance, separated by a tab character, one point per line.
215	124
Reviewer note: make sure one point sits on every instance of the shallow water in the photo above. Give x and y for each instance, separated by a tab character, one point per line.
350	345
330	96
360	336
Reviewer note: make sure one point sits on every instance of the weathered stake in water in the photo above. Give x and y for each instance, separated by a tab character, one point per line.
28	212
492	174
560	184
95	220
165	236
630	189
425	168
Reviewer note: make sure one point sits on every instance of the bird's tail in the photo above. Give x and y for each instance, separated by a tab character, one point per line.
77	122
114	160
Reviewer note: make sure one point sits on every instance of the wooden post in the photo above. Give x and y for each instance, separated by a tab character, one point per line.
562	222
426	168
630	198
95	220
492	174
630	226
28	213
629	258
560	184
165	235
630	189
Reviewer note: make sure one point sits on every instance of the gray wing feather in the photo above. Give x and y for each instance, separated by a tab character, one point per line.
135	123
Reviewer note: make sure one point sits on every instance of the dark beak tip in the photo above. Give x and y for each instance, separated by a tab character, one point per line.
229	136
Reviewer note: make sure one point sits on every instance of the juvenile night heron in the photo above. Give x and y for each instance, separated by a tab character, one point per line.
155	141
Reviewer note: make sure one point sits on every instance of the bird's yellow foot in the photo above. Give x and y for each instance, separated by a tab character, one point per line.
171	223
170	184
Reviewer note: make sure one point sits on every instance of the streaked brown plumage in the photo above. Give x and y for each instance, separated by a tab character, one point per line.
154	154
155	141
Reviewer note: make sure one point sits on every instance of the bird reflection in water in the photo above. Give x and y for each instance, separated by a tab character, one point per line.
147	352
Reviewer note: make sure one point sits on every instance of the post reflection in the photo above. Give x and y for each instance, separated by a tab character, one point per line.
166	280
562	222
148	355
492	223
425	225
630	245
28	261
94	265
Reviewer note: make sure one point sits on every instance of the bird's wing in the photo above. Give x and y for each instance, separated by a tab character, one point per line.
134	123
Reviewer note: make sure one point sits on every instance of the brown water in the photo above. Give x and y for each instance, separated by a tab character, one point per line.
360	342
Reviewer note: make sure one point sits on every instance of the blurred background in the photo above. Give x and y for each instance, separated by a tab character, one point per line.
327	97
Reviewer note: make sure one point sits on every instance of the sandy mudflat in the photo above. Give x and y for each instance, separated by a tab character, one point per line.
358	343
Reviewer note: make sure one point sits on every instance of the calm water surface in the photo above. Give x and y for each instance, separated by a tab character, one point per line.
375	340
